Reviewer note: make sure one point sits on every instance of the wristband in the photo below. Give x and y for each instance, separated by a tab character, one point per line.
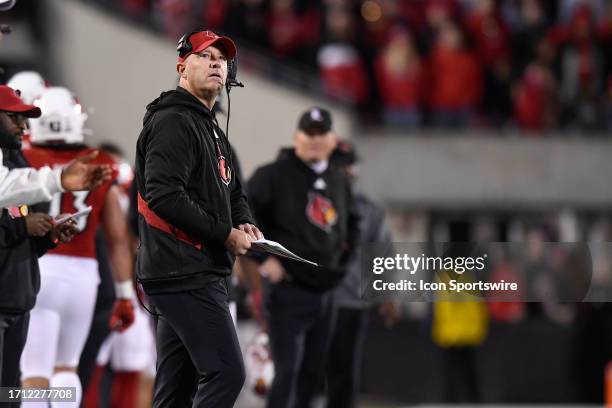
124	290
58	179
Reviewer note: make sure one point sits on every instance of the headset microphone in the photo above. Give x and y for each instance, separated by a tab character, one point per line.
234	83
232	71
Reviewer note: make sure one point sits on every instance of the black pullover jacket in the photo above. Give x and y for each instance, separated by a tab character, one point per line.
310	214
179	157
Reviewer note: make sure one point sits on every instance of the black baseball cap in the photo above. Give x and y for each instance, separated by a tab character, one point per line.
315	120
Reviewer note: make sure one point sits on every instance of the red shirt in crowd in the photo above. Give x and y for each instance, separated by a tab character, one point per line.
456	80
343	73
400	89
284	30
490	35
533	98
214	14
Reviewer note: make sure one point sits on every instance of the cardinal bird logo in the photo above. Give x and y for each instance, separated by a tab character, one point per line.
321	212
225	171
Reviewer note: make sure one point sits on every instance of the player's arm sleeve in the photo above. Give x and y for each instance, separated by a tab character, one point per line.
116	233
12	231
170	153
26	186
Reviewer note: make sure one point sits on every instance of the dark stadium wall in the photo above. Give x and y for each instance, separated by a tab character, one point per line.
489	171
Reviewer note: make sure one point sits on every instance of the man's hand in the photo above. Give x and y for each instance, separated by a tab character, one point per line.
252	231
272	269
38	224
122	316
238	242
64	232
78	175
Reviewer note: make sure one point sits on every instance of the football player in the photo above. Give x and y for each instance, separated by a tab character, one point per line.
62	316
131	353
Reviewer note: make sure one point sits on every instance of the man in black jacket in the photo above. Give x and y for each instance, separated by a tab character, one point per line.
24	236
301	202
352	312
193	216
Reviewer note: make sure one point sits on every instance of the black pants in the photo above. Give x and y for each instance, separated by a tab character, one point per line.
345	354
300	325
461	383
199	363
13	333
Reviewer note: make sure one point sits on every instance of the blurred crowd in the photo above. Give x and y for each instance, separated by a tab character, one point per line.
535	65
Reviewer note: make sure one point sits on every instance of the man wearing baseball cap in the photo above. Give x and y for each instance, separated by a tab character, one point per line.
304	203
25	186
193	218
24	236
352	313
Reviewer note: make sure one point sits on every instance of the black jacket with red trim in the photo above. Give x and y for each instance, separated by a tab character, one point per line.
310	214
184	177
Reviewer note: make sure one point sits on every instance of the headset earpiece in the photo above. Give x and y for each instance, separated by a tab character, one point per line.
232	70
232	73
184	46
